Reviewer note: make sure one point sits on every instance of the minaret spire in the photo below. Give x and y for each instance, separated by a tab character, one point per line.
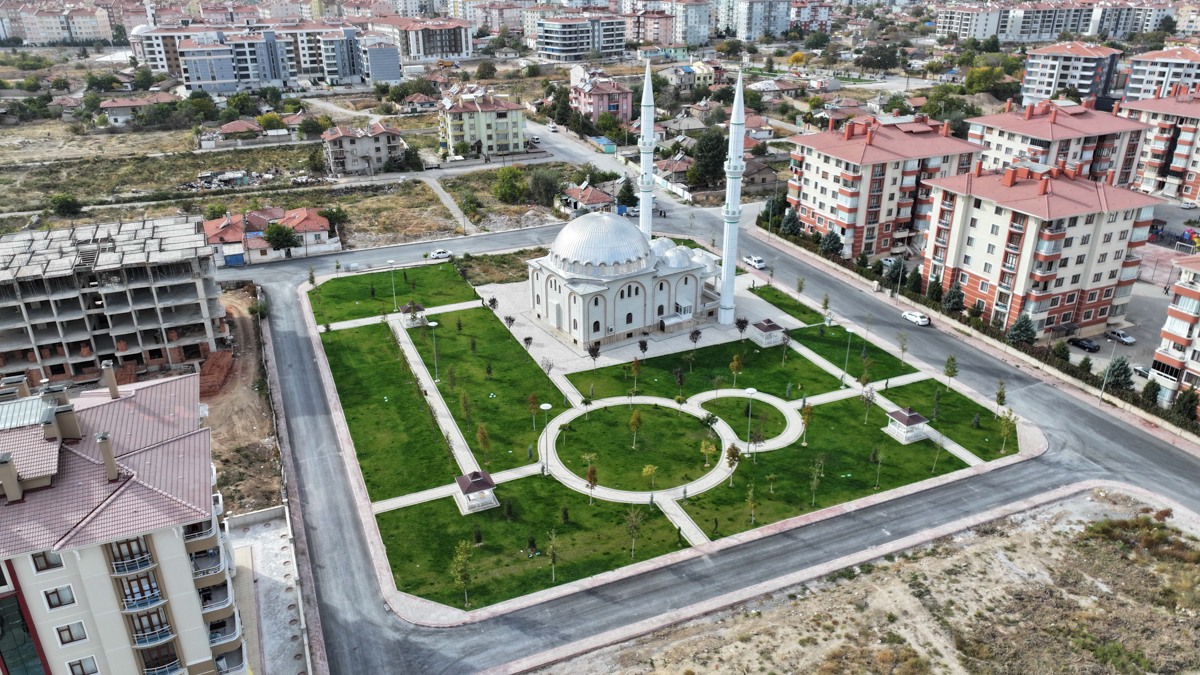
732	213
646	148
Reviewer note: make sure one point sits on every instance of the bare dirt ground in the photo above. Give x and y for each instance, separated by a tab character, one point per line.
49	140
244	445
1039	592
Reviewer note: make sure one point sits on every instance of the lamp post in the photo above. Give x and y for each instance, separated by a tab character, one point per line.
849	337
392	264
1100	398
545	415
750	391
434	325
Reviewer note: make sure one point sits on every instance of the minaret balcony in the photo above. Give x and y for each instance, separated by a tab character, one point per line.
732	211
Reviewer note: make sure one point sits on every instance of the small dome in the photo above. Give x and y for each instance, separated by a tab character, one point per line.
680	256
600	244
661	245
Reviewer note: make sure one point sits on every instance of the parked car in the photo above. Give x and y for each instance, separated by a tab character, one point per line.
1084	344
633	211
917	318
1120	336
754	261
1187	206
887	263
1141	370
440	253
536	139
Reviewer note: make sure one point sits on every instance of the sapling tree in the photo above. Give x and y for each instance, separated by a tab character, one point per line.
649	470
735	367
509	321
732	456
741	323
532	403
552	551
902	343
1001	397
1008	427
593	352
694	336
485	441
950	369
460	569
633	525
867	398
635	424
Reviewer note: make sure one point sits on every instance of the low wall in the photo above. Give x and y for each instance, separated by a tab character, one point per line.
256	517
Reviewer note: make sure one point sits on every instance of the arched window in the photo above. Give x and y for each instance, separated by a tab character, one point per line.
629	318
595	326
575	324
539	299
685	280
660	285
660	310
595	302
637	291
622	295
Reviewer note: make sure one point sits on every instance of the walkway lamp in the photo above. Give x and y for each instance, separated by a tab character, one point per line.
545	413
392	264
750	391
434	325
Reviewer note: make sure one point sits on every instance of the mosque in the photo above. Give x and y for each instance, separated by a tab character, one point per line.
607	279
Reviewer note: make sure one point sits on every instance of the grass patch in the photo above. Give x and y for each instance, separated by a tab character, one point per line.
420	542
830	343
837	433
498	268
400	449
479	184
799	311
515	376
668	440
733	410
956	412
351	297
762	370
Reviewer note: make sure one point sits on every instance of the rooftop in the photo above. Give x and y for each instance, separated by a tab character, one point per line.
61	253
1059	119
1187	53
1077	49
890	139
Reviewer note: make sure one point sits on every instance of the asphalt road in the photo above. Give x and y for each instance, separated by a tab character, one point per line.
362	637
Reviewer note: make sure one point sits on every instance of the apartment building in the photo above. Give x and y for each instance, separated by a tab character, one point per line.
656	27
422	40
219	63
530	16
489	124
1157	73
279	9
41	25
811	16
1089	142
1041	240
1086	67
693	18
116	557
602	95
1044	22
753	19
894	156
568	39
1176	362
1169	164
497	14
367	150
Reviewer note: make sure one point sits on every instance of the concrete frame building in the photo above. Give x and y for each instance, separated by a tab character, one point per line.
569	39
1176	365
603	95
1045	22
753	19
1169	164
115	553
1156	74
1039	240
895	156
1086	67
811	15
421	40
220	63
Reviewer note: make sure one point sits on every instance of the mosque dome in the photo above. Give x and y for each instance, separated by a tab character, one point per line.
679	256
600	244
661	245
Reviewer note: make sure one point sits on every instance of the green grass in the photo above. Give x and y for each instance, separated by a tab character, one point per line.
733	411
350	297
801	312
954	420
514	377
400	449
762	370
667	440
839	434
420	542
686	242
832	346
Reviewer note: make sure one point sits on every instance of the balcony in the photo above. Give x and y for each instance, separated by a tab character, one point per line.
218	504
173	667
225	631
142	602
132	565
232	662
206	566
151	638
215	599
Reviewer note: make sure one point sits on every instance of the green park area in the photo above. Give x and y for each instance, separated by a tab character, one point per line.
831	343
760	418
479	362
400	449
843	444
421	539
363	295
667	440
799	311
762	369
955	417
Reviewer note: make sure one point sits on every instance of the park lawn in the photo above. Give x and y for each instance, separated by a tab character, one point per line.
956	412
762	369
839	434
400	449
801	312
515	376
733	411
420	542
667	440
349	297
832	346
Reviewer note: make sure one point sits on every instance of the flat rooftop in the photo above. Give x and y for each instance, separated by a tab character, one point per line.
60	253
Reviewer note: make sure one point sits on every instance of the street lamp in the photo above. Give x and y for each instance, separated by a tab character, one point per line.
434	325
392	264
849	337
545	407
750	391
1100	398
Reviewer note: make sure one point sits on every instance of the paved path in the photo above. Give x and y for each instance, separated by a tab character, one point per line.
691	531
450	490
455	307
938	437
448	201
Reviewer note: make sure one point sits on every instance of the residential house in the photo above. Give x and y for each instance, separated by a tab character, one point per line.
587	198
489	124
367	150
598	96
682	77
675	169
417	103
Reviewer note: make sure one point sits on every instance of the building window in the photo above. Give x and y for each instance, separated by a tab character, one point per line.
1108	292
595	326
46	560
539	298
1091	297
629	318
660	310
1096	277
575	324
1103	312
86	666
59	597
595	302
660	285
966	260
71	633
963	277
1087	316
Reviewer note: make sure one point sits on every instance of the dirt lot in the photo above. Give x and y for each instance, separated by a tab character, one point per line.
243	437
48	140
1034	593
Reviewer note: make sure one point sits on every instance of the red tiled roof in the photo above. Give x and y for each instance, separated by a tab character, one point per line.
485	103
1185	105
305	220
1070	122
1077	49
239	126
419	98
334	133
1063	197
152	99
589	196
889	142
1190	54
675	166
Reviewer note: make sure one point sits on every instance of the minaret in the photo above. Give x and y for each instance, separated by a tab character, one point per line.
734	166
646	147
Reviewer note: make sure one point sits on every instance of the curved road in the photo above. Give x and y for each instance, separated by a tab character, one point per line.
361	636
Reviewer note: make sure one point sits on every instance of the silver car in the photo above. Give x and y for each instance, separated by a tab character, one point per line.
1120	336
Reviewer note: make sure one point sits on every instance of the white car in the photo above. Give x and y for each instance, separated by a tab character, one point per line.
1187	206
552	128
536	139
440	253
754	261
917	318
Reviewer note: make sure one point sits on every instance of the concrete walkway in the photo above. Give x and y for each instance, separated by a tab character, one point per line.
938	437
675	513
450	490
448	201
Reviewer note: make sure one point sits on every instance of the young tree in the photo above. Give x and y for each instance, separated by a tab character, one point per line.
591	481
878	467
1022	331
902	343
1001	397
532	402
1150	393
741	323
975	421
464	403
933	290
1061	351
589	457
451	378
552	551
694	336
867	398
635	423
914	280
950	369
679	379
825	304
937	402
1085	364
633	524
735	367
751	502
818	470
488	371
460	569
771	478
643	345
732	456
785	344
937	452
649	470
528	342
806	414
485	441
707	449
1184	406
636	369
1008	427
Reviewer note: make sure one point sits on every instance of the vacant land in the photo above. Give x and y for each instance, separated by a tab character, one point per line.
363	295
956	414
498	268
420	542
399	447
832	344
842	445
473	194
49	140
667	440
762	369
1039	592
798	310
737	413
499	401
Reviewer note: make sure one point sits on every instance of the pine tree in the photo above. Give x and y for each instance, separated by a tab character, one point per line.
1060	350
831	244
953	300
1022	331
861	260
626	196
1150	392
934	289
914	280
1184	407
791	223
1118	373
